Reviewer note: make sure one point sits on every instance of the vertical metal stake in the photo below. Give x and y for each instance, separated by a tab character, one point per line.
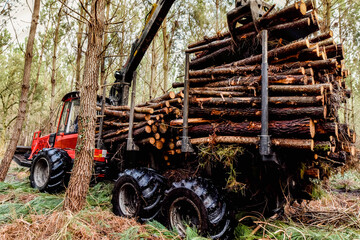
131	146
186	145
265	142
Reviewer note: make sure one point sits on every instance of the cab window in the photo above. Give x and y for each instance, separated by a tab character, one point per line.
72	124
64	117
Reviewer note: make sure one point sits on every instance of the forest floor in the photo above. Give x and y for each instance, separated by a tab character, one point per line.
27	214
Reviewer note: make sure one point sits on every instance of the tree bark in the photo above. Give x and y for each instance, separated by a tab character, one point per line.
256	101
53	69
79	37
255	113
247	81
166	55
153	71
299	128
75	196
105	46
304	144
9	153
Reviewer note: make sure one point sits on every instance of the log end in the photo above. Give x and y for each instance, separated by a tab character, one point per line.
148	129
302	7
312	145
172	95
147	117
159	145
312	128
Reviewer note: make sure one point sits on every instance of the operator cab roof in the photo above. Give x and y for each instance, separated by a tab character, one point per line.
71	95
76	94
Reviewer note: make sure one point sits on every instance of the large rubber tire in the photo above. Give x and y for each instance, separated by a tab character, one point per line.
196	203
138	194
49	170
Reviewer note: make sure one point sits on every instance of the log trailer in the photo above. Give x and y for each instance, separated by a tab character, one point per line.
183	194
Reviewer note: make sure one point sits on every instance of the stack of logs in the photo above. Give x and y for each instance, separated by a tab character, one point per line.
306	86
150	121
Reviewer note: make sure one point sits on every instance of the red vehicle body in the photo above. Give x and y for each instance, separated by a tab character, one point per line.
65	137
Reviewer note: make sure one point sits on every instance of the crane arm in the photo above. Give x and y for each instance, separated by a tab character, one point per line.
119	93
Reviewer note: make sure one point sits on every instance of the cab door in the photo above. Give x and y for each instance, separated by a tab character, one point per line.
67	132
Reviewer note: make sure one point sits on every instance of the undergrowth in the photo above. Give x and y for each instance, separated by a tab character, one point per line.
227	156
332	216
347	181
290	230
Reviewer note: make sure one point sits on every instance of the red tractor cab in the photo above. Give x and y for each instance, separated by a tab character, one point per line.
51	157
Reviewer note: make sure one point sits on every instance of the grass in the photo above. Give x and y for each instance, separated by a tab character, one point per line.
281	230
347	181
22	206
334	215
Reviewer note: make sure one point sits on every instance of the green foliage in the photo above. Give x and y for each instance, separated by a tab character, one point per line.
290	230
100	195
318	191
192	234
243	232
348	181
5	38
156	229
20	200
226	155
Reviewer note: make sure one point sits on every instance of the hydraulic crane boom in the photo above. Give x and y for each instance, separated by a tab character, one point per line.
119	93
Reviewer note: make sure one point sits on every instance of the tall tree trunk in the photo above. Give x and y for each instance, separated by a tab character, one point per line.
166	56
75	196
153	69
79	49
53	70
217	8
33	90
9	153
103	69
327	15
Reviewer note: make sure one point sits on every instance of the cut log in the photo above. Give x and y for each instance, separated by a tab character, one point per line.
303	144
157	136
210	39
299	128
256	101
253	113
123	130
256	81
138	134
150	140
275	53
163	128
281	90
125	115
321	37
216	93
316	65
327	129
179	122
127	108
338	157
116	124
159	145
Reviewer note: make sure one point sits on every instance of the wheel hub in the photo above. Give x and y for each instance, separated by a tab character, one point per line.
129	200
184	213
41	172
